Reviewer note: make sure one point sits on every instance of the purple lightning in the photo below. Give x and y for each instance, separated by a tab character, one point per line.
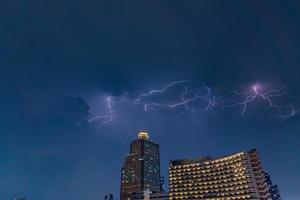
256	92
187	96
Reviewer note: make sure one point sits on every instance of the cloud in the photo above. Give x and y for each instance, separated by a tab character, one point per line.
69	108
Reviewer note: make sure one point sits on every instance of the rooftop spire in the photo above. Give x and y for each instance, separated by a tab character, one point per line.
143	135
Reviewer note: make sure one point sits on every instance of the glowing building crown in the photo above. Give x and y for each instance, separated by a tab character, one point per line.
142	135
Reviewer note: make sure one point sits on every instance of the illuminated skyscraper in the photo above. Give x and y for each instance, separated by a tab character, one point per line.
141	169
238	176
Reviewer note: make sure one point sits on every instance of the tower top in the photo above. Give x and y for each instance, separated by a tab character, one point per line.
143	135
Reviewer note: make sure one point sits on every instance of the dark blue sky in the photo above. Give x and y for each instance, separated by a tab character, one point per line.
60	60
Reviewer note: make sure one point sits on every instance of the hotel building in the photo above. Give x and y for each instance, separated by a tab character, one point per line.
237	176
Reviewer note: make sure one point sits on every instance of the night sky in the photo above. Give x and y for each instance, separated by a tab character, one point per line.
76	77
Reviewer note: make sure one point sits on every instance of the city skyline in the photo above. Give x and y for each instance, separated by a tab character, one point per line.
78	79
239	175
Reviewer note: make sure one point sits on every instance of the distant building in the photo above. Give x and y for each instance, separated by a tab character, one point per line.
237	176
273	189
141	169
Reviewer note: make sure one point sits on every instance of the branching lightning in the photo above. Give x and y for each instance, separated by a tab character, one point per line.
243	99
185	94
107	118
184	100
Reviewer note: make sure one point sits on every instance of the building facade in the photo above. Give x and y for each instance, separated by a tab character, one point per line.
141	169
237	176
273	189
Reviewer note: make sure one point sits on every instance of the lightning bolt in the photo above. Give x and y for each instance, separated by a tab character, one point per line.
184	101
292	113
188	96
183	97
243	99
104	119
162	90
211	99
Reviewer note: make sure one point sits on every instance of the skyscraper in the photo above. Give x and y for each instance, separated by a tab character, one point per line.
141	169
273	189
237	176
